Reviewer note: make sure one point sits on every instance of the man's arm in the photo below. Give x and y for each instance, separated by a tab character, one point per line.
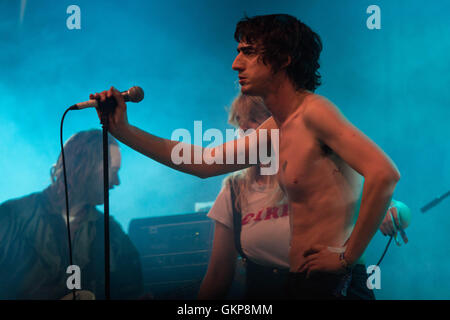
160	149
380	173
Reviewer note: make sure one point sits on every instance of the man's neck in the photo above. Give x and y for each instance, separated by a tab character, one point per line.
58	205
75	210
282	100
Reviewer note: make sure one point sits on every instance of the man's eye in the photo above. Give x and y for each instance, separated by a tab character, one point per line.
248	51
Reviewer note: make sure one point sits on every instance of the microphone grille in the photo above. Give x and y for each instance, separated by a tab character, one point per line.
136	94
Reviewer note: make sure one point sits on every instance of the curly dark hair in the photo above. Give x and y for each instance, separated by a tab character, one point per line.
280	36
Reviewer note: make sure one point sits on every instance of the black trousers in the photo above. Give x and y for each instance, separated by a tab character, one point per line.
266	283
322	286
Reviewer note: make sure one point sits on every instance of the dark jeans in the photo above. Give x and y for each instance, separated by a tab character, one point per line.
322	286
265	283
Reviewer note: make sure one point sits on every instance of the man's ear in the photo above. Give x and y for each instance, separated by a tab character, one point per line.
284	65
287	63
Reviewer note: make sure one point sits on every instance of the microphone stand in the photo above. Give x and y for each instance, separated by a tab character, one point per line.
434	202
106	108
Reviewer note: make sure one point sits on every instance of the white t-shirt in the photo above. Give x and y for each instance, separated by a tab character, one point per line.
265	231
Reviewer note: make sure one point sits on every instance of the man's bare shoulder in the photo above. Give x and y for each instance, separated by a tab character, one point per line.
318	109
315	103
268	124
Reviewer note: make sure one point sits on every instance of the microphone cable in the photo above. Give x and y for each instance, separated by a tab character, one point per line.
66	192
385	250
341	290
402	233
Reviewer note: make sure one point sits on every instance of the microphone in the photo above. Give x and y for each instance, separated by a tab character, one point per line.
134	94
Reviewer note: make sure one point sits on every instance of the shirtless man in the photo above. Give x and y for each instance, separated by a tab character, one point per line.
322	156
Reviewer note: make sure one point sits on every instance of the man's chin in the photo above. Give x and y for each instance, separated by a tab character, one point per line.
248	91
97	202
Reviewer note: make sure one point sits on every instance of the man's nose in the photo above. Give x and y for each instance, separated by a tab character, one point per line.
237	63
115	181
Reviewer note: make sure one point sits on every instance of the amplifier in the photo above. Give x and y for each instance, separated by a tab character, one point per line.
175	252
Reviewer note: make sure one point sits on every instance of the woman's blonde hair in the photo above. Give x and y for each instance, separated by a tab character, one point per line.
250	108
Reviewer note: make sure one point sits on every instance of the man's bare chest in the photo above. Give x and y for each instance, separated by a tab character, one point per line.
302	157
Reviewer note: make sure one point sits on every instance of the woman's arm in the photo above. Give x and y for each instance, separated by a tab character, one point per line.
220	273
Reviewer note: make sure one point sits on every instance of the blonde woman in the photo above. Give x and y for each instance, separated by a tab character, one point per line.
264	218
263	241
